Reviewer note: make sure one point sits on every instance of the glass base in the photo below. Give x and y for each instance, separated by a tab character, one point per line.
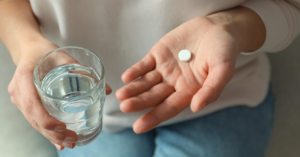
87	138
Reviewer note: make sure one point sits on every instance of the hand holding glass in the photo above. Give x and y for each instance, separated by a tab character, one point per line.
70	82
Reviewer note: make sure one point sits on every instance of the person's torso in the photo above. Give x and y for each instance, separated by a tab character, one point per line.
121	32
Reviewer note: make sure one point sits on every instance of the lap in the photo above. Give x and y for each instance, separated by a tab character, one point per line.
233	132
122	144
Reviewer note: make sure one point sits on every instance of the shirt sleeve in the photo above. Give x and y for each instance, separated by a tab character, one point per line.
282	22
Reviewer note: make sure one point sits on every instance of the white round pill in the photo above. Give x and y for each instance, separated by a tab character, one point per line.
184	55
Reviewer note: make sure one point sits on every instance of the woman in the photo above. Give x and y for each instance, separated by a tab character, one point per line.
225	83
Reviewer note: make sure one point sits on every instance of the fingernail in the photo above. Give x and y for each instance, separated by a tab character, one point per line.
60	129
108	88
58	146
69	145
70	140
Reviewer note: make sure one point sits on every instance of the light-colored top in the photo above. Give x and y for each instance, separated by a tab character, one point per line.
122	32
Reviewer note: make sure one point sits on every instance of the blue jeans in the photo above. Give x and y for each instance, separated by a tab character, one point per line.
233	132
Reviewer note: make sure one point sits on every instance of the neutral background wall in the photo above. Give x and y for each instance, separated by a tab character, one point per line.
19	139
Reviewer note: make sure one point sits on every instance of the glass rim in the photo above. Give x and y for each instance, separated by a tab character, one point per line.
77	97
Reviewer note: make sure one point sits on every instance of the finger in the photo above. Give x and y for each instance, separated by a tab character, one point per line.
141	85
173	105
139	69
59	147
35	109
146	100
108	89
31	105
12	88
67	139
212	87
13	100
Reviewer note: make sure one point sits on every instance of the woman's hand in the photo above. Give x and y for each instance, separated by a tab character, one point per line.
20	33
168	85
24	95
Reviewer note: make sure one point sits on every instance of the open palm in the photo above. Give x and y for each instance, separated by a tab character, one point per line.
167	85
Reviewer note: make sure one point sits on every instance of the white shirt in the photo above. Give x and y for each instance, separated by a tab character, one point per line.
121	33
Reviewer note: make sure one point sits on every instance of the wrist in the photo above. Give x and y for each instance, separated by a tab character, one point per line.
247	27
33	51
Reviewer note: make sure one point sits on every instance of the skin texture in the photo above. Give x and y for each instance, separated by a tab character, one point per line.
20	33
169	86
166	84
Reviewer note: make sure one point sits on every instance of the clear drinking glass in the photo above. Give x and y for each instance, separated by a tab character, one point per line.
70	82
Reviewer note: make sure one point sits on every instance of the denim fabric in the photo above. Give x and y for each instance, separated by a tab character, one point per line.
233	132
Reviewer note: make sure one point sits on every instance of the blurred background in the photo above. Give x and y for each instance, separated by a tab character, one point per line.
19	139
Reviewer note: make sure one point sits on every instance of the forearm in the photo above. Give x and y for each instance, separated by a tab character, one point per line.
19	30
248	26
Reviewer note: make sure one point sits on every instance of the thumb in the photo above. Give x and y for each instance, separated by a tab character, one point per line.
212	87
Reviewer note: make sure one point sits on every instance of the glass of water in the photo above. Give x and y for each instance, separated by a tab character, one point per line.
70	82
